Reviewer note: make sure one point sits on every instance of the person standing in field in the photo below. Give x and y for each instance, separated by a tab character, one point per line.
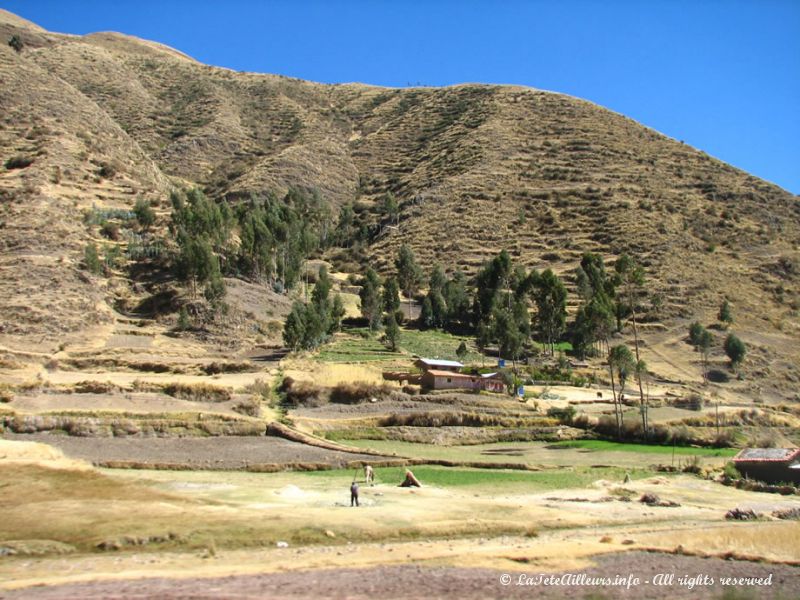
369	475
354	494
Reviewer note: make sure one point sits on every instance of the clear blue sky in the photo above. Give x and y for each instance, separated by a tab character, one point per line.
722	75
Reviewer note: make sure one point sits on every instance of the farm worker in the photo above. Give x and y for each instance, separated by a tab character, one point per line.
369	475
354	494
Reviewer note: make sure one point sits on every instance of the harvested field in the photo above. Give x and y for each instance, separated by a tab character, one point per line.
413	404
223	452
132	402
420	580
541	453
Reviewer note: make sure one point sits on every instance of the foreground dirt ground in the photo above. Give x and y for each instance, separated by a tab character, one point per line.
640	575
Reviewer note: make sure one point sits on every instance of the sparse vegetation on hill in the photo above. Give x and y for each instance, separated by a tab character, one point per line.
394	180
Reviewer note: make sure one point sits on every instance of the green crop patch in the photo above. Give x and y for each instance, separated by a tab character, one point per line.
605	446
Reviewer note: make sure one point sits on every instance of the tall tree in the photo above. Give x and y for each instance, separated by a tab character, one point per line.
704	345
640	369
489	282
507	333
409	273
294	330
337	314
457	300
594	321
392	332
631	277
391	295
346	226
391	208
620	364
426	318
371	302
593	325
550	297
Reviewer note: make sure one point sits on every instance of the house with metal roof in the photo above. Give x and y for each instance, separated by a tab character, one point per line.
435	379
426	364
770	465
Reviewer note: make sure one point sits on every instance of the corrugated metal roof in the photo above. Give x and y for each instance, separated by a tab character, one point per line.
435	362
767	454
436	373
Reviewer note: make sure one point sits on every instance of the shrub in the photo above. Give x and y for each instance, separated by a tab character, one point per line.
730	471
107	170
695	331
183	320
144	214
260	388
353	393
94	387
199	392
16	43
724	439
250	407
110	230
724	315
693	465
564	415
680	436
735	349
301	393
91	260
19	162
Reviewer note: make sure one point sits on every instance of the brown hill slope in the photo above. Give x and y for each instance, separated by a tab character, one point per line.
476	169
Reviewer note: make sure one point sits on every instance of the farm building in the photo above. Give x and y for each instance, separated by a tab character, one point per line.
770	465
492	382
435	379
426	364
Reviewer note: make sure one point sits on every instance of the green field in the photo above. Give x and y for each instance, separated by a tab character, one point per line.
432	343
491	480
354	348
560	346
360	345
604	446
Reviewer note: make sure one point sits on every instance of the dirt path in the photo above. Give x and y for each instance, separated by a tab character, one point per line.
424	581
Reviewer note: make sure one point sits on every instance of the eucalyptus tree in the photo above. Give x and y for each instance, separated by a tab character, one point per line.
620	365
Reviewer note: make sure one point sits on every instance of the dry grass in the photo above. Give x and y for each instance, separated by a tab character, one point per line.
200	392
758	541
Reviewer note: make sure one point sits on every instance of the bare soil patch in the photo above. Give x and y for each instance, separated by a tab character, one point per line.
216	453
422	581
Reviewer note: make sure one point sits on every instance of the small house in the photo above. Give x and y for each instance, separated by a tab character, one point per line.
492	382
770	465
436	379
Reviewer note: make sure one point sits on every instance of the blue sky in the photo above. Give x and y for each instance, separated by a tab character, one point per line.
721	75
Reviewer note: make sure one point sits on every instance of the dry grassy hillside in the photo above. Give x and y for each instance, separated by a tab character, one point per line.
108	118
